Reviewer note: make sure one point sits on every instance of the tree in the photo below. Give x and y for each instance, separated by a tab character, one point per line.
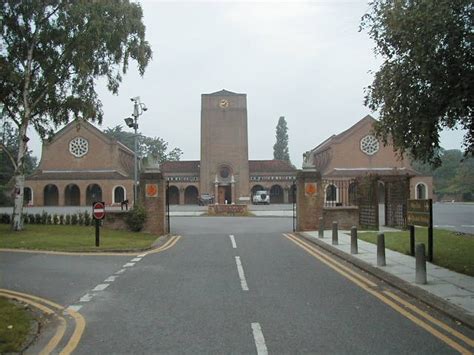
156	148
425	83
280	149
8	152
52	53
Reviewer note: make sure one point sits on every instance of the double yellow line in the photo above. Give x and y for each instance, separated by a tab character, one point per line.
169	244
53	309
419	317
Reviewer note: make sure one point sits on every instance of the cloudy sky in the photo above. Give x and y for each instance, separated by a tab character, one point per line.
306	61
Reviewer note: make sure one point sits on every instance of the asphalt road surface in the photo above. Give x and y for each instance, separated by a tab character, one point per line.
258	291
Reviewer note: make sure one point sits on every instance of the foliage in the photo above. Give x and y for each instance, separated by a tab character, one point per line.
280	149
136	218
19	319
52	53
148	147
455	175
425	82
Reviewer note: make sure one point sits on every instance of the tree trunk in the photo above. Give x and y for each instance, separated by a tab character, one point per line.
17	218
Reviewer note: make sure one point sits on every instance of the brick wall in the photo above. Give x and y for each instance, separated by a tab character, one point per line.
346	217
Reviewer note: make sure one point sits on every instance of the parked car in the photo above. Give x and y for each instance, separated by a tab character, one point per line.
261	197
205	199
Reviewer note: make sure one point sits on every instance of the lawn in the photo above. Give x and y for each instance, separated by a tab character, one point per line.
451	250
72	238
15	323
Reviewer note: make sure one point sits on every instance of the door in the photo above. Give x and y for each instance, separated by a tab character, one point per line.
221	195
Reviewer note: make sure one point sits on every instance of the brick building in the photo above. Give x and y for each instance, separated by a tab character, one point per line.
81	164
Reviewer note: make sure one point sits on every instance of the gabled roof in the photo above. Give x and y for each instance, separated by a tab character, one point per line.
270	166
185	166
223	92
335	138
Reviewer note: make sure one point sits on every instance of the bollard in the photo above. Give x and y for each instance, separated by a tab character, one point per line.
381	249
335	239
321	228
412	240
420	264
354	249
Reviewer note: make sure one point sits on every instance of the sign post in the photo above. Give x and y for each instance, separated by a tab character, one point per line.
98	212
420	213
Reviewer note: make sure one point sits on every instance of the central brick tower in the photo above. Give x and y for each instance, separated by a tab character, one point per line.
224	169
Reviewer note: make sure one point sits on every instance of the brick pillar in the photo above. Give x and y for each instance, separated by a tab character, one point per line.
286	194
181	195
153	197
309	200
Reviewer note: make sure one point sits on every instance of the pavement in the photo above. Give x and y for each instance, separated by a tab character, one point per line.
446	290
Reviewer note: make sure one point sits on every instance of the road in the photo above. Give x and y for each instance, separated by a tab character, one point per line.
228	285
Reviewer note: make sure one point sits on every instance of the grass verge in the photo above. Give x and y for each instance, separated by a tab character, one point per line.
72	238
451	250
15	324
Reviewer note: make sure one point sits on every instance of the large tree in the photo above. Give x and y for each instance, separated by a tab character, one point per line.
52	53
155	148
280	149
425	83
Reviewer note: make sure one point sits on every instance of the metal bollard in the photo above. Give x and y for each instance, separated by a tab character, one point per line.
412	240
420	264
321	228
381	249
354	248
335	238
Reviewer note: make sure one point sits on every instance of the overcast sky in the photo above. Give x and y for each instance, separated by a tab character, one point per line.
302	60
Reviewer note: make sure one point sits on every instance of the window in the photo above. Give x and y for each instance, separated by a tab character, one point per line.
78	147
119	194
421	191
369	145
331	193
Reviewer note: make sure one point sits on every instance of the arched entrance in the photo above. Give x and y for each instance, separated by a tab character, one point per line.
276	194
93	193
27	196
51	195
191	195
173	195
72	195
257	188
119	194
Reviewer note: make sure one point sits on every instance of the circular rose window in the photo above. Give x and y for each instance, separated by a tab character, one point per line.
78	147
224	172
369	145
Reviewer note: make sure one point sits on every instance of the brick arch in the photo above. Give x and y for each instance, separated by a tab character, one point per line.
72	195
51	195
93	193
173	195
256	188
276	194
191	194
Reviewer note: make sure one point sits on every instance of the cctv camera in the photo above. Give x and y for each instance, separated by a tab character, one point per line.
145	108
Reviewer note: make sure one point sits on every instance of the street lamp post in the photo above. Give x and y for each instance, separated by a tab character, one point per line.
132	122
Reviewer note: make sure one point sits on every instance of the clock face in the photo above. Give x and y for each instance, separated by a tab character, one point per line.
224	103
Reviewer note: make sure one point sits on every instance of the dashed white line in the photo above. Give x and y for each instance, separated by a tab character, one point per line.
100	287
110	279
259	339
232	240
75	307
86	298
128	265
137	259
120	272
240	270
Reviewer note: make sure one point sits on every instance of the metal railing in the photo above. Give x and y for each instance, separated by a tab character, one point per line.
339	193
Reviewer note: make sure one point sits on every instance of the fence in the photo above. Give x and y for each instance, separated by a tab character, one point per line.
340	193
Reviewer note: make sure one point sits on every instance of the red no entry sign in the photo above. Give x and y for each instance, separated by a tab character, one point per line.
98	210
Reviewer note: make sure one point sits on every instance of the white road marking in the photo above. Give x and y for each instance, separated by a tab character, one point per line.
468	225
259	339
100	287
110	279
75	307
137	259
444	226
232	240
86	298
120	272
240	270
129	264
141	255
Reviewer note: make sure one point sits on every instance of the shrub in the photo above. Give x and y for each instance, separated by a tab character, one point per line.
31	218
74	219
25	219
44	217
5	218
55	219
80	218
87	218
49	220
136	218
38	218
61	219
68	219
